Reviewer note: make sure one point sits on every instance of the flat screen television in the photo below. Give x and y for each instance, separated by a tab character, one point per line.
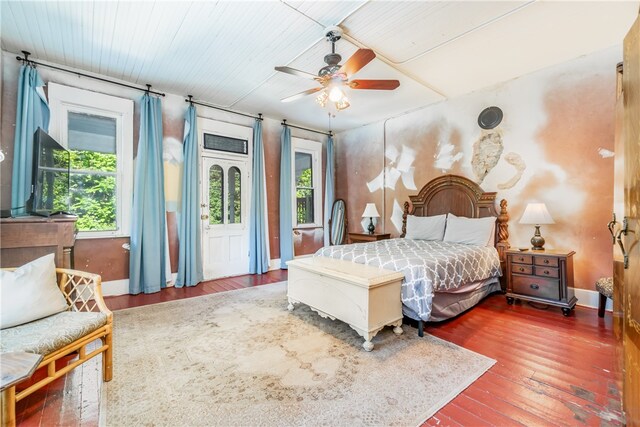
50	177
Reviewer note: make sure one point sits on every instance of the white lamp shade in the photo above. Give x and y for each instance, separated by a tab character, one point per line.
536	213
371	211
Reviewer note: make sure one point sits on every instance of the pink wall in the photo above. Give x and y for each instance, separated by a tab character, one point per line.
555	122
174	107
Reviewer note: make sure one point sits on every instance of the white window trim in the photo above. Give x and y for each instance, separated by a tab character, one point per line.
64	99
315	149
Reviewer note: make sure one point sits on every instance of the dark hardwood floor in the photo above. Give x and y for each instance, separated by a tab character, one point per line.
551	370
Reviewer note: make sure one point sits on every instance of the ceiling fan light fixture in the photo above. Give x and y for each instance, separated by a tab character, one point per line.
342	103
336	94
322	98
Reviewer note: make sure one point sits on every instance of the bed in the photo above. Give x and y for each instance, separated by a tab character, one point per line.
442	279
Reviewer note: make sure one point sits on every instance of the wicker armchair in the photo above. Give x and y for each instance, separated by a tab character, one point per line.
87	319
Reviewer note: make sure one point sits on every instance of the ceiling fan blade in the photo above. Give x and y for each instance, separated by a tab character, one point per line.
301	94
295	72
358	60
374	84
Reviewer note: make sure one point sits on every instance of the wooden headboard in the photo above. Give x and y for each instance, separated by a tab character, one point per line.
461	197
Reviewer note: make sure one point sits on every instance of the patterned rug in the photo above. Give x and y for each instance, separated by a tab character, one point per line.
240	358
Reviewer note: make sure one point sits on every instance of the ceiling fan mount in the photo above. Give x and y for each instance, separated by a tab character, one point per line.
332	34
334	75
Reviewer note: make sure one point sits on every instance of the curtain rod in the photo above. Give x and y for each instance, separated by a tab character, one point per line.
284	123
30	61
204	104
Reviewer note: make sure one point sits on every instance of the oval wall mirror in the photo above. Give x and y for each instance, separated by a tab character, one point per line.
338	223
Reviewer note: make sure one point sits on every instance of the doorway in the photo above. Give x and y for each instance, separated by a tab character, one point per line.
226	190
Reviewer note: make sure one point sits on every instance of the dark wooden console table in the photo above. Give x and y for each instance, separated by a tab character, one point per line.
26	238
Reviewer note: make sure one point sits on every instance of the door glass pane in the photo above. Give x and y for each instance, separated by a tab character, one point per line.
304	188
216	203
234	196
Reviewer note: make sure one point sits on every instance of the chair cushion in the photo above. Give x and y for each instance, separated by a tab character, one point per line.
604	285
52	333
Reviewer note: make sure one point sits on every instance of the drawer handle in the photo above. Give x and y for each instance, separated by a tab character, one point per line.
546	272
546	261
521	269
534	286
520	259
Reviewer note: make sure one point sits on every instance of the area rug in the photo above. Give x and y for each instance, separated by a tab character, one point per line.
240	358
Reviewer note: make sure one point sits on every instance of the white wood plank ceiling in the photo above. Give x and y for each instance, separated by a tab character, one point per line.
224	52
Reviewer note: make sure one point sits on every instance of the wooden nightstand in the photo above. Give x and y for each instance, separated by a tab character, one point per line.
366	237
541	276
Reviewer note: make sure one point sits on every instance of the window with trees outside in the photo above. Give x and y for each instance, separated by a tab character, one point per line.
307	167
97	130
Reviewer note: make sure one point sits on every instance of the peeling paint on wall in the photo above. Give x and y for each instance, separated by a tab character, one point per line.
486	153
516	161
396	216
605	154
446	156
389	177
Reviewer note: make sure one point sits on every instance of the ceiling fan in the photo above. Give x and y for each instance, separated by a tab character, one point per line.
333	76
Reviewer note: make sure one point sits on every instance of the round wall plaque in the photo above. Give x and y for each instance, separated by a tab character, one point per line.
490	117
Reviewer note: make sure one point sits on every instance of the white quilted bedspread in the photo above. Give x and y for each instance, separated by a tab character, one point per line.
428	266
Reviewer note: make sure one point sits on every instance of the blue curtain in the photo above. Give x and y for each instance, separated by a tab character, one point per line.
329	190
258	255
190	255
148	227
32	112
286	191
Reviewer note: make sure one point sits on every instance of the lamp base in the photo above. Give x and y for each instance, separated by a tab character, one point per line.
537	241
371	227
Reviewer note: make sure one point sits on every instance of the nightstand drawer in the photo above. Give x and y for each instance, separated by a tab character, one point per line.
522	269
546	261
522	259
536	287
547	271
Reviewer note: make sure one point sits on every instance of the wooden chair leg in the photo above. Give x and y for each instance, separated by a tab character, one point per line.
107	358
8	407
601	304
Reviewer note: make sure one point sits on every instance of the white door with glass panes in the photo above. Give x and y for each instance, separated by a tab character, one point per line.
226	190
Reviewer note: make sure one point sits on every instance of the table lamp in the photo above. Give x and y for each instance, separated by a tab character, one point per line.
536	214
371	212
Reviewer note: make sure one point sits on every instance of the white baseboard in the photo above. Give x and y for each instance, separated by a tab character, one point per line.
115	287
121	287
589	298
274	264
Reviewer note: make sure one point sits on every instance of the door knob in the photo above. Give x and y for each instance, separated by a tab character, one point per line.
204	216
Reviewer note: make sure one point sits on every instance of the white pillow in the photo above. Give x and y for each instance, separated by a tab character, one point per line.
425	227
30	293
470	231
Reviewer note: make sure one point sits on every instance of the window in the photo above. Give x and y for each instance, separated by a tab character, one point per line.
307	176
235	196
216	198
97	129
225	144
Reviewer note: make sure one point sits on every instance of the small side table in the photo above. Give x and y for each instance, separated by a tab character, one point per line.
14	368
541	276
366	237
